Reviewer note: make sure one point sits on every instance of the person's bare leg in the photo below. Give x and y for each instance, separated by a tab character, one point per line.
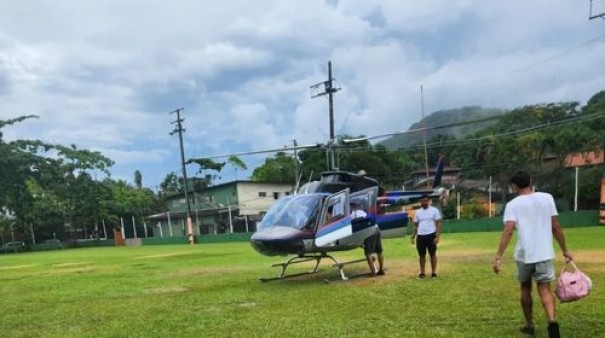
548	301
527	304
422	261
434	264
371	264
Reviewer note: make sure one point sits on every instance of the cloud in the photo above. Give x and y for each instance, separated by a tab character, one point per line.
105	75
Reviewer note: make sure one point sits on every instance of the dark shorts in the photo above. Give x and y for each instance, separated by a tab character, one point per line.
373	244
424	242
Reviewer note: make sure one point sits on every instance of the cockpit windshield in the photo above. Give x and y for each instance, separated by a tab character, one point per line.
298	211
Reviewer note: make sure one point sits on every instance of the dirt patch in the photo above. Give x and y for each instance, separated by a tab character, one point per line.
204	271
16	267
168	289
592	256
164	255
73	270
247	304
61	265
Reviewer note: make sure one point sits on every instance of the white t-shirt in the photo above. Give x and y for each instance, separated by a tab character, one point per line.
532	214
426	219
358	213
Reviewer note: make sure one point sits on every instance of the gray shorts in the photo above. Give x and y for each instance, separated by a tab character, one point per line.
541	272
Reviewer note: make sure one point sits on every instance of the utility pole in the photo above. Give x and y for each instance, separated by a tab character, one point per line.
328	89
179	129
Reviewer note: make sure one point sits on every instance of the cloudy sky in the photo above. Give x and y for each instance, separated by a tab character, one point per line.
104	75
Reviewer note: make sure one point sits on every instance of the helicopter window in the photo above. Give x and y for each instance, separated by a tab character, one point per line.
310	187
335	208
361	200
295	211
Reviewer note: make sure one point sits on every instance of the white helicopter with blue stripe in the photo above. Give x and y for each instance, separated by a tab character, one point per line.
317	220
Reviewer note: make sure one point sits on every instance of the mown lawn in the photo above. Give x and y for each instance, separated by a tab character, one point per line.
213	290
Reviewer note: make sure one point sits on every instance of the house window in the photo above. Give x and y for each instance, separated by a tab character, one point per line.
275	195
262	194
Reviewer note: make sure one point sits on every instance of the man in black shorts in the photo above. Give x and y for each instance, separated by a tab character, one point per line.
372	244
427	227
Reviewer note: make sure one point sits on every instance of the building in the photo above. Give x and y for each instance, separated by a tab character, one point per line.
224	208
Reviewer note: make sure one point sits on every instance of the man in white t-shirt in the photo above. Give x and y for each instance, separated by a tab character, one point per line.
427	228
534	215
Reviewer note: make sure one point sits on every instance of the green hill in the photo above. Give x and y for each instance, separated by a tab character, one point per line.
446	118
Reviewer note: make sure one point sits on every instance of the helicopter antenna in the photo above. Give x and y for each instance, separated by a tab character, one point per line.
309	181
328	89
297	184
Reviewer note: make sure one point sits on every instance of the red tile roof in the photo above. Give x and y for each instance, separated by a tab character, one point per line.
586	158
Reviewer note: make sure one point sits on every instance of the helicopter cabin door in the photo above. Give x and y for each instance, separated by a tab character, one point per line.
334	224
363	213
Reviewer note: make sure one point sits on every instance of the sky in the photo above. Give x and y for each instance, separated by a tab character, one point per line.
105	75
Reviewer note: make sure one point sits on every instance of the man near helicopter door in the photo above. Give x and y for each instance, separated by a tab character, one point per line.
372	244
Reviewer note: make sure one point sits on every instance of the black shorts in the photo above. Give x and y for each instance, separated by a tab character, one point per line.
373	244
424	242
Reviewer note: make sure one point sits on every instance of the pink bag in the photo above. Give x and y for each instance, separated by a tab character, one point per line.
572	286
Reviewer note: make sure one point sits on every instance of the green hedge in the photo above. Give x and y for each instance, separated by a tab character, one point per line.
568	219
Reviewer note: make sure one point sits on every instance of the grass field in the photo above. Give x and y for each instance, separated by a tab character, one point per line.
213	290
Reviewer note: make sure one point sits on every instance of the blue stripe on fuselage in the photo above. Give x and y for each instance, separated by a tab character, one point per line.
331	227
392	221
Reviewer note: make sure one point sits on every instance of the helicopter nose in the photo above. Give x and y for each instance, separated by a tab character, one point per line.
276	247
278	241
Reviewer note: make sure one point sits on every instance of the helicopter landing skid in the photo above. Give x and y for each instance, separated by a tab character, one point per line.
295	260
344	277
306	258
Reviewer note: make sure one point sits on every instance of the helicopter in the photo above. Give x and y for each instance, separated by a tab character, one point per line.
317	221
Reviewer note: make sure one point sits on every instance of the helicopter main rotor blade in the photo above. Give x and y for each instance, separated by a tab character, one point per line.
309	146
410	131
352	140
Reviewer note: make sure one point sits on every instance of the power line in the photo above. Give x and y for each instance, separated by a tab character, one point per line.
520	69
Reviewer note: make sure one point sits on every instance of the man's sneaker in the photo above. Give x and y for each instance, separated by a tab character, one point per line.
421	276
528	330
380	273
434	276
553	330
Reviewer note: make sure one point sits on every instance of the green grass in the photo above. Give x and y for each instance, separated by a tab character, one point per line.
213	290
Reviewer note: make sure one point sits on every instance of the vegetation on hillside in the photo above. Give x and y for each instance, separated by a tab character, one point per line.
51	191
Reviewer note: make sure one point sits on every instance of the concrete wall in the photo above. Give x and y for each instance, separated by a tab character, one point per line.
251	203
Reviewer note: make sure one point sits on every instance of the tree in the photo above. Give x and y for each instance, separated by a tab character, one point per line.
236	163
208	164
279	168
312	163
170	185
